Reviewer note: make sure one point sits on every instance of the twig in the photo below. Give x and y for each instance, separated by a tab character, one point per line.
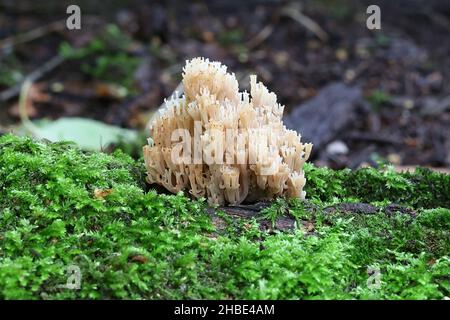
32	77
296	14
438	18
23	99
60	25
32	34
260	37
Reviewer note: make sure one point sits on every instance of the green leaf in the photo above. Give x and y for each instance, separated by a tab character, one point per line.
88	134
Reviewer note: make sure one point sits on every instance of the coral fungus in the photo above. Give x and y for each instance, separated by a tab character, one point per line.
222	144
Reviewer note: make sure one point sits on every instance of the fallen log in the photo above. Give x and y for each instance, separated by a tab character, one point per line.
287	223
323	117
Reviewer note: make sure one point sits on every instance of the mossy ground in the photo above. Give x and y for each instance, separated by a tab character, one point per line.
60	206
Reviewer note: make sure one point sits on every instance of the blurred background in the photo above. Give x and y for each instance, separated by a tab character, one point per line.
361	96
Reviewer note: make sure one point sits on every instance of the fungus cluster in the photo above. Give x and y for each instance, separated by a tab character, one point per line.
222	144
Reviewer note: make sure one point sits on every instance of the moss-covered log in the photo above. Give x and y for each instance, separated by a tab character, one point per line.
61	207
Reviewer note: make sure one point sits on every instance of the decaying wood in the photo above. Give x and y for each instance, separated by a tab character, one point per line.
321	119
249	212
287	223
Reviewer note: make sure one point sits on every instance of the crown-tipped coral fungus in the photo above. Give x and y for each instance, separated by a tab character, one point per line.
223	144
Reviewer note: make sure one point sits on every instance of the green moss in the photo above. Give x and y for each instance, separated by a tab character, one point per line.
423	188
60	206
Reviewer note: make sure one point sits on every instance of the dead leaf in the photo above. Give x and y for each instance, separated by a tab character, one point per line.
309	227
107	90
101	193
138	259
